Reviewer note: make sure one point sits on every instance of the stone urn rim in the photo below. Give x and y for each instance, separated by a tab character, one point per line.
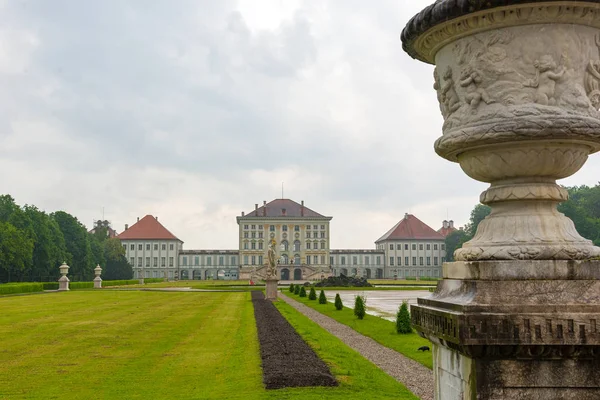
447	20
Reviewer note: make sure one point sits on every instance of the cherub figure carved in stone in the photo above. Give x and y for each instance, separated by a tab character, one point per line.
545	79
451	100
592	78
438	88
470	79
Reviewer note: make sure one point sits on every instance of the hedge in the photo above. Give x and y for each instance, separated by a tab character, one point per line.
26	287
31	287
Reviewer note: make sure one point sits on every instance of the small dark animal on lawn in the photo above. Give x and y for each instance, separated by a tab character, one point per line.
423	348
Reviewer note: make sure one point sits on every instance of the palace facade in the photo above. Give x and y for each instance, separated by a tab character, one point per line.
409	249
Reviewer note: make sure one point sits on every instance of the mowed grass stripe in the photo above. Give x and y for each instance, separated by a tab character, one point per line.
378	329
358	378
132	345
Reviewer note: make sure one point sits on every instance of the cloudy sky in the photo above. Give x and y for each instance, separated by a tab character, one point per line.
196	110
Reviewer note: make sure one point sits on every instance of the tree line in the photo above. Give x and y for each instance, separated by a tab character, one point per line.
583	208
33	244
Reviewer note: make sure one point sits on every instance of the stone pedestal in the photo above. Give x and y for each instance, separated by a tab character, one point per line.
271	289
97	279
515	330
518	86
63	281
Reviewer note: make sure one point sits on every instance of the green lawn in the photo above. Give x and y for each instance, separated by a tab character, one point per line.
379	329
113	344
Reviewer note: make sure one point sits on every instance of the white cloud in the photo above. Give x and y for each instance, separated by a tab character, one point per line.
195	111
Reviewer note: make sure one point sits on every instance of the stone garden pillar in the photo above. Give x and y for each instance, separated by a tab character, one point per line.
97	279
63	281
517	316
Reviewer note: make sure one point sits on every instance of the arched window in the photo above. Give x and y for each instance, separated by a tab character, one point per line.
297	246
297	258
285	259
285	245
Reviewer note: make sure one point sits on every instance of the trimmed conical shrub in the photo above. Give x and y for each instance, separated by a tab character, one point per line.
291	288
312	295
338	302
359	307
322	298
302	292
297	289
403	319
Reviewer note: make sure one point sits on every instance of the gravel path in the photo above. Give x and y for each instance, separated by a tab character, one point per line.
416	377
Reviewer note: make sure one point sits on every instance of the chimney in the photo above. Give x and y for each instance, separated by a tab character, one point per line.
445	224
126	226
157	217
405	215
256	209
302	208
138	219
451	224
264	208
242	213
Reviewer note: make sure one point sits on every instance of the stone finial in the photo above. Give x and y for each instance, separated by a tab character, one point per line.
97	279
63	281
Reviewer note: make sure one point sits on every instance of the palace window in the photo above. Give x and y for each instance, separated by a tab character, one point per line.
391	260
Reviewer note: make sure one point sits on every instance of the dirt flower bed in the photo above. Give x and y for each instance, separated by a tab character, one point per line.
287	361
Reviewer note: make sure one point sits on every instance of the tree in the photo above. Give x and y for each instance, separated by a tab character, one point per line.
478	214
403	319
322	298
49	250
302	292
116	265
454	240
291	288
78	245
359	307
338	302
312	295
16	252
297	289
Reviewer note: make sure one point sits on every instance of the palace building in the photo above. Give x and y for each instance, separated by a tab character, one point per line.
410	249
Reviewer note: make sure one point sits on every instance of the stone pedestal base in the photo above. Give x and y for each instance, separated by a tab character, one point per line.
141	281
514	330
63	283
97	283
271	289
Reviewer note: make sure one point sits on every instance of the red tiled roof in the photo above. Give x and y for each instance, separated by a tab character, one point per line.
283	208
147	228
446	231
410	227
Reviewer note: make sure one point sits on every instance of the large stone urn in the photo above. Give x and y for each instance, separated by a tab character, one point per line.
518	85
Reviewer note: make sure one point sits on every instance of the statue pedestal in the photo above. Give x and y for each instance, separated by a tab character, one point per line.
271	290
97	283
514	330
63	283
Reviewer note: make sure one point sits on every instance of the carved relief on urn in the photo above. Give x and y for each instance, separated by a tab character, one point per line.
519	89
